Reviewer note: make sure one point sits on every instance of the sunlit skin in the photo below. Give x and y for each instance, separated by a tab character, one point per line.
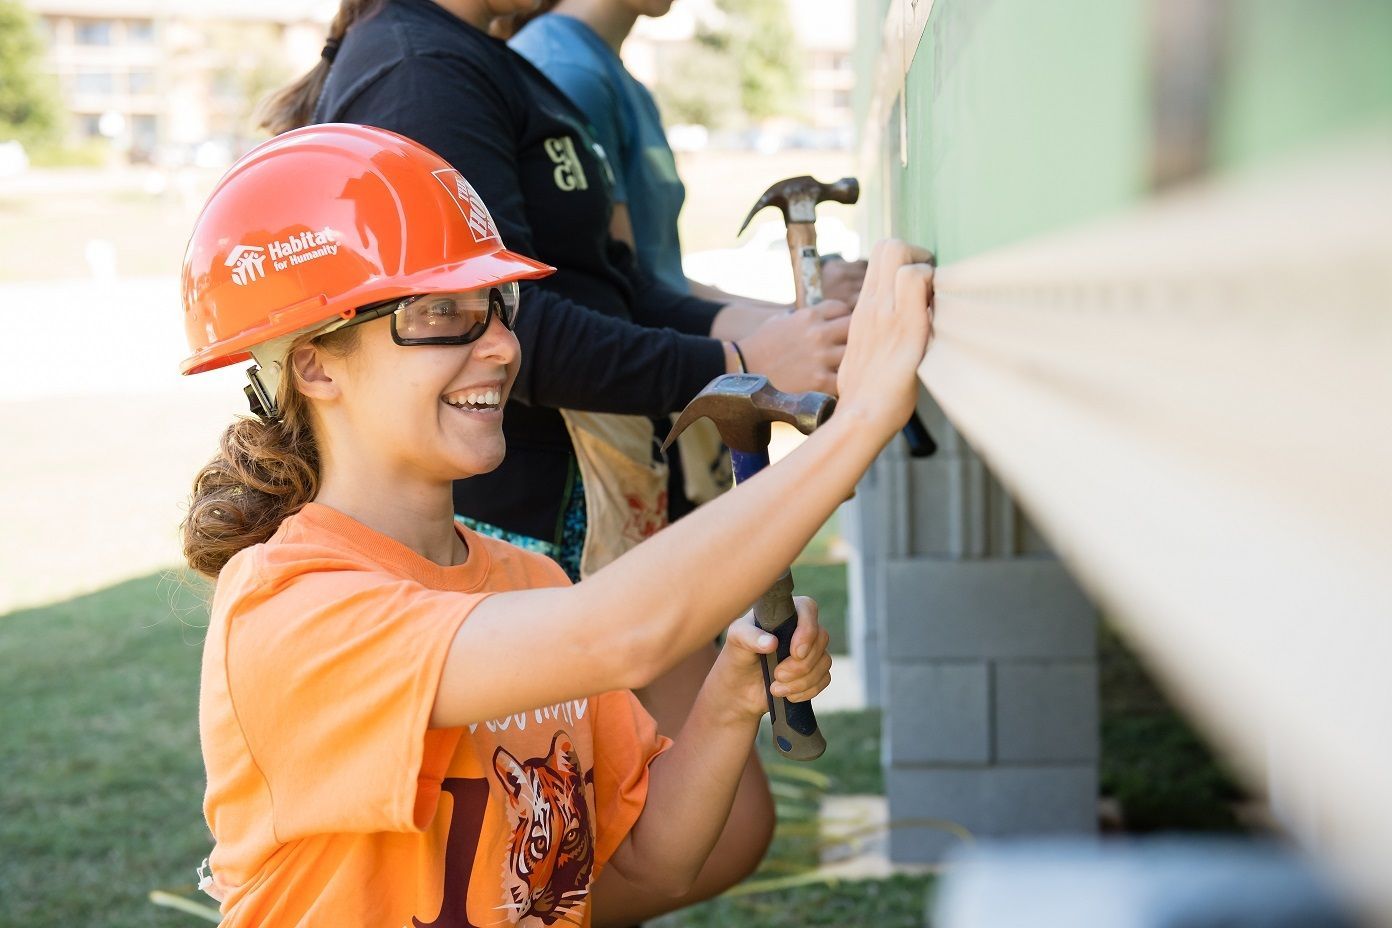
382	420
479	13
613	20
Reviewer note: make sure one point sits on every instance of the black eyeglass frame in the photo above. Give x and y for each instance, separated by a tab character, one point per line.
496	307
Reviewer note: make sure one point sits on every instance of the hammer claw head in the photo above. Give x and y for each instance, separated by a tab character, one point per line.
798	197
743	405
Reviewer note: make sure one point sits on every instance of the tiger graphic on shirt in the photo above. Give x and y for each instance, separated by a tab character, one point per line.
551	852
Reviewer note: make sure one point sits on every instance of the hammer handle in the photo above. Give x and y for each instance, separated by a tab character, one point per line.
807	265
795	731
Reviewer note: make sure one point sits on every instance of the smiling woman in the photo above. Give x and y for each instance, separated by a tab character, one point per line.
399	715
317	266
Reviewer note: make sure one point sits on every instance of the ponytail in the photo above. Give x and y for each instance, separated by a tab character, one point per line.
264	472
293	106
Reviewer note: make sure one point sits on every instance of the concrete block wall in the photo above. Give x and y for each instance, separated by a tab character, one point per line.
980	649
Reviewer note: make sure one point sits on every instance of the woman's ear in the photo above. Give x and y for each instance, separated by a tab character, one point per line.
314	380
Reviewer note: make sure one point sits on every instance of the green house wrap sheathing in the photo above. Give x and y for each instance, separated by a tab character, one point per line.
1025	117
1163	231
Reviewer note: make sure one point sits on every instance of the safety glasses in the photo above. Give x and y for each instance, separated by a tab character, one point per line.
443	318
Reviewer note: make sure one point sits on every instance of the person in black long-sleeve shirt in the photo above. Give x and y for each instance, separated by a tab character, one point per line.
599	336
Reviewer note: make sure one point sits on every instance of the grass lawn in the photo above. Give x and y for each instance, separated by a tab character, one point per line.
102	804
826	583
1165	777
53	225
898	902
99	757
103	780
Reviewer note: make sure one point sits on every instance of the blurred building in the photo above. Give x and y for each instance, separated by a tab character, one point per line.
175	80
826	39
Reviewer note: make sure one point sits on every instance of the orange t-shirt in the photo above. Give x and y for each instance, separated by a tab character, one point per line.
331	801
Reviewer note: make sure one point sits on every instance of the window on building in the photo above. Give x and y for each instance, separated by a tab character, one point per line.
841	99
824	60
89	124
92	31
100	82
142	82
140	31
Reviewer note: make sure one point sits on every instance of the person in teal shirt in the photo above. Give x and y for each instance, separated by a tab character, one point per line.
576	45
625	122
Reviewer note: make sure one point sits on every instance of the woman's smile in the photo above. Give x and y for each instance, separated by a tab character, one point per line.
483	401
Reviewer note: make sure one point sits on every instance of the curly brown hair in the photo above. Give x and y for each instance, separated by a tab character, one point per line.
263	472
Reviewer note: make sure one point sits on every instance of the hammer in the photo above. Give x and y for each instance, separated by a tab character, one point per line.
798	197
742	406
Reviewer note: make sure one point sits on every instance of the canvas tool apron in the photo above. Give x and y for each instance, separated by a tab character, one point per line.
625	479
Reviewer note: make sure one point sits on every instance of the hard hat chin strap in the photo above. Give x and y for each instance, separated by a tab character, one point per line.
259	398
265	375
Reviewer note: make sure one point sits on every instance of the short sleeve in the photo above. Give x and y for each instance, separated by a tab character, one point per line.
598	99
626	741
333	690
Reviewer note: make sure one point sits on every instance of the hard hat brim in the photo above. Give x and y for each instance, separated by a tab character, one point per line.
479	271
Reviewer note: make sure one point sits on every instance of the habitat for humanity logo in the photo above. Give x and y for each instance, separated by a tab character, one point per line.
248	262
469	202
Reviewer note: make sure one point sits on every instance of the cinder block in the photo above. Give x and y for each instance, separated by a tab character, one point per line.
926	804
1045	712
938	493
972	609
938	713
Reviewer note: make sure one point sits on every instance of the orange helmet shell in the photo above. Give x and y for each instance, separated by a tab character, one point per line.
320	221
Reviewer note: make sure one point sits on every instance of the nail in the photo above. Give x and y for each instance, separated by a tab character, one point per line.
767	641
802	651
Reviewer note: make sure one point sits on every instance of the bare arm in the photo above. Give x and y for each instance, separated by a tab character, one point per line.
692	786
626	624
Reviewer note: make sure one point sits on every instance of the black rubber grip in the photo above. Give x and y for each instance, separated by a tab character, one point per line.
921	444
795	731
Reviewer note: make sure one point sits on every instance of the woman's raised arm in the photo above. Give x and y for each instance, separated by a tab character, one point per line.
627	623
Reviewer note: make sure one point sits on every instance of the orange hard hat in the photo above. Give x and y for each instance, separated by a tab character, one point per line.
319	221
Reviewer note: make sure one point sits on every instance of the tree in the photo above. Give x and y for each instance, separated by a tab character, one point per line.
743	68
699	84
764	47
29	108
